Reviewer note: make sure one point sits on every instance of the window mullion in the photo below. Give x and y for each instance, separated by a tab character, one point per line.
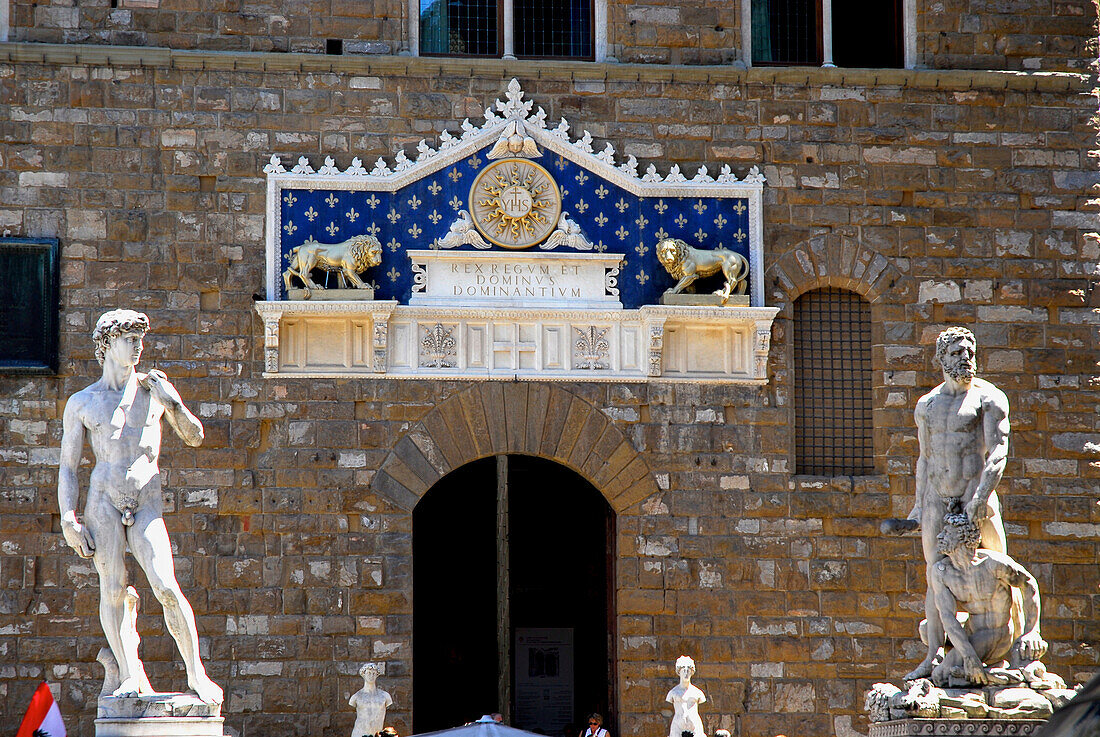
509	25
827	33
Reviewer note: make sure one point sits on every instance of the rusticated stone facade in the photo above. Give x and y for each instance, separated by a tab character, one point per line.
958	34
942	197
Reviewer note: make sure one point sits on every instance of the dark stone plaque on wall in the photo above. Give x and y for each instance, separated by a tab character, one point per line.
29	293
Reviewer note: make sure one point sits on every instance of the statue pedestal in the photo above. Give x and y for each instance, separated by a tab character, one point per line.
158	715
705	300
914	727
331	295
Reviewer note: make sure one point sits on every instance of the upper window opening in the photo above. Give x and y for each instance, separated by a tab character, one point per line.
847	33
540	29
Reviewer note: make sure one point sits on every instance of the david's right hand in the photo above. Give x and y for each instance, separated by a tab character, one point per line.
78	537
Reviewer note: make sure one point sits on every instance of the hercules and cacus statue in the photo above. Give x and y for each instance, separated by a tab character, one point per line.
347	258
686	264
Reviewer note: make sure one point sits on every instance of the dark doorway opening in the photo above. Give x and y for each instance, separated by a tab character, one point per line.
559	589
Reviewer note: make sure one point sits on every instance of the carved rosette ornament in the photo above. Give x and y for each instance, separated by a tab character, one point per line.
515	203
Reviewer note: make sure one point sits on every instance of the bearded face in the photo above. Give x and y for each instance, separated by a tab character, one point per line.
958	360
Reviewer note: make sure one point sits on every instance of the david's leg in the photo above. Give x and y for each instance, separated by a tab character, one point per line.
105	524
150	545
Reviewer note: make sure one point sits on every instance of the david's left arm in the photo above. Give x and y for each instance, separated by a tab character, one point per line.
186	425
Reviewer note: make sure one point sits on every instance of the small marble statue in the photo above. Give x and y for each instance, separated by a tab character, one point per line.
685	699
121	416
370	704
962	426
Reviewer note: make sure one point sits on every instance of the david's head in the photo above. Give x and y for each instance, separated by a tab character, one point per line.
369	672
119	332
955	350
958	532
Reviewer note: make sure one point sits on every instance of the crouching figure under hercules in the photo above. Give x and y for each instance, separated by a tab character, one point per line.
121	414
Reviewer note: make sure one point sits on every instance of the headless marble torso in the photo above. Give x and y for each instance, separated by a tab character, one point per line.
370	710
685	702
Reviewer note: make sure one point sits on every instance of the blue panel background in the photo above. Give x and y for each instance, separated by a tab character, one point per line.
612	218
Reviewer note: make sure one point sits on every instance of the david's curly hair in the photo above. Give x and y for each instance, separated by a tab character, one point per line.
969	534
948	338
114	323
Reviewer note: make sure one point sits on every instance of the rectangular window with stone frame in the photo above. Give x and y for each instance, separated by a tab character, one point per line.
843	33
524	29
30	279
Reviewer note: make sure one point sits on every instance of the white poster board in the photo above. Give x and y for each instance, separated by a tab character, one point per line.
544	678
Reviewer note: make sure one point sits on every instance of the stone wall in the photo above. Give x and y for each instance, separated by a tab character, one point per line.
943	197
959	34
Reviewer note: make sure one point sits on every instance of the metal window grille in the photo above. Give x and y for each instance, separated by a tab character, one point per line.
786	31
553	28
832	384
540	28
460	27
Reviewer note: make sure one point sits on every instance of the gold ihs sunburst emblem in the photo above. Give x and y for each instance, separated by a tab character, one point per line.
515	203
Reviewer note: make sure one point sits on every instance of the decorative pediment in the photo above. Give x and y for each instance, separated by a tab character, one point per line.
515	190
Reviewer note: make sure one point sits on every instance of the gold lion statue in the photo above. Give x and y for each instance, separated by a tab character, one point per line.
347	259
687	264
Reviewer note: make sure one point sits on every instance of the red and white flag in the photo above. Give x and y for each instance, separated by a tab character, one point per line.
43	718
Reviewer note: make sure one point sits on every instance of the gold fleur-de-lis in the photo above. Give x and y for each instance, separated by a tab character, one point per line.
581	178
660	234
373	201
290	227
720	221
699	207
373	229
564	193
331	200
393	245
352	215
415	230
290	199
414	202
602	192
581	206
600	246
740	235
700	235
474	161
622	233
601	220
393	216
435	217
311	214
560	163
660	206
642	277
393	273
454	174
435	188
740	208
332	228
680	220
621	205
455	203
641	249
641	221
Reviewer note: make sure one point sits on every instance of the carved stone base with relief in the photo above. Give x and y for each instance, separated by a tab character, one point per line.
158	715
914	727
330	295
705	300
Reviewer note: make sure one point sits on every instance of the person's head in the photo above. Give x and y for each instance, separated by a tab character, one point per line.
595	720
958	532
497	717
684	663
955	349
369	672
119	332
388	732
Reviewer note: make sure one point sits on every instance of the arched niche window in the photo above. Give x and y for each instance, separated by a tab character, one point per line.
832	384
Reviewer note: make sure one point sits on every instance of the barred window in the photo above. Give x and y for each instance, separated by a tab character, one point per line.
546	29
832	384
846	33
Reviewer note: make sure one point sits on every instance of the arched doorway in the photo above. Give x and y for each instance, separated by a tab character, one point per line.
512	597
